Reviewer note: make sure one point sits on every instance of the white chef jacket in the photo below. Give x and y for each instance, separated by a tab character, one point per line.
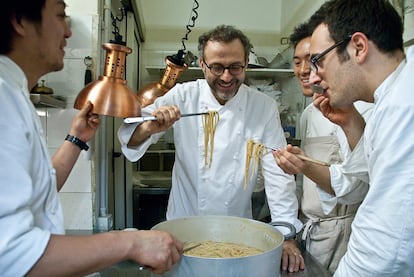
349	178
328	223
381	242
29	206
218	190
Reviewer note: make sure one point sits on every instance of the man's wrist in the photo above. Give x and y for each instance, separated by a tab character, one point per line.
78	142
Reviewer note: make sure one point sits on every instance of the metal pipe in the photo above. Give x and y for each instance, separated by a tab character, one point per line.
102	169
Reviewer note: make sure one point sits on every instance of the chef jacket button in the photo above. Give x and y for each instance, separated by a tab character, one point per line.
226	203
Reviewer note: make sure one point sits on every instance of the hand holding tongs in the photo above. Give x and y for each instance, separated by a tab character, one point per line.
187	247
304	158
147	118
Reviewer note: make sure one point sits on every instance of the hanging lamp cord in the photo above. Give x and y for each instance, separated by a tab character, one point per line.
115	32
191	23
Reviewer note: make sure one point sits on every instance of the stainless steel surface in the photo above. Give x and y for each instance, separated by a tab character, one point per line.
148	118
313	269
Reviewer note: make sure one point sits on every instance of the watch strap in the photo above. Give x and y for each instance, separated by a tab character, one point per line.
77	141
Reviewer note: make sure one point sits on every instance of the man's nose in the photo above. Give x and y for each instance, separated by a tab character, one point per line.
314	78
226	75
304	68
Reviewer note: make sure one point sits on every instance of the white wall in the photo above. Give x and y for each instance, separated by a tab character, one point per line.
77	195
409	21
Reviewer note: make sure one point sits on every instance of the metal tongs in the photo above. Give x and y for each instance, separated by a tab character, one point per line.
148	118
187	247
304	158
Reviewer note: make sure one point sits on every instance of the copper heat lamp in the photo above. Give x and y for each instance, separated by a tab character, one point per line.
174	66
110	94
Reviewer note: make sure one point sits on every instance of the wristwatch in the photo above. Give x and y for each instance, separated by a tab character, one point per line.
77	141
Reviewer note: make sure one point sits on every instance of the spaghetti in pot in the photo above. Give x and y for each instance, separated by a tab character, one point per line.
215	249
210	120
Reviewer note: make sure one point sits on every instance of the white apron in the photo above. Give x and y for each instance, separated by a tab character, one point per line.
326	236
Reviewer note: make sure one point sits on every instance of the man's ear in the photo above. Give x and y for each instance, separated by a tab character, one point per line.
360	45
202	65
19	25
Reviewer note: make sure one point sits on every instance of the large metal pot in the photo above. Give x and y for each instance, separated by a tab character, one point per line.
226	229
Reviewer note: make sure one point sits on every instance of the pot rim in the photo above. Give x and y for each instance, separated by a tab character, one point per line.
274	235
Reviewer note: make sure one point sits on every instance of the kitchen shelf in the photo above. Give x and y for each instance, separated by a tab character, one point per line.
195	72
46	100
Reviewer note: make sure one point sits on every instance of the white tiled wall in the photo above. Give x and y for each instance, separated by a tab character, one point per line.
77	195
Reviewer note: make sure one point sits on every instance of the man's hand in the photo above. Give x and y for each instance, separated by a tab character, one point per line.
85	123
166	117
292	259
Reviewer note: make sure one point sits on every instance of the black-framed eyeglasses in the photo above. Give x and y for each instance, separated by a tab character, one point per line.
315	59
218	69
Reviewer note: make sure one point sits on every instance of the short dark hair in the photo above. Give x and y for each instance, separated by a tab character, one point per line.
300	32
224	33
28	9
377	19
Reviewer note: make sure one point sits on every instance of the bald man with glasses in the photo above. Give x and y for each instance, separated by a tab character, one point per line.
244	114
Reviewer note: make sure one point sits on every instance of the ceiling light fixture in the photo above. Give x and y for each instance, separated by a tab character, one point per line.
110	94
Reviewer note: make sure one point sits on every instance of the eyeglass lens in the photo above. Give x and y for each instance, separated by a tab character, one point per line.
218	69
314	60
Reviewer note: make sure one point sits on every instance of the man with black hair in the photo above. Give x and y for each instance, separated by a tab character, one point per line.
327	221
357	54
33	240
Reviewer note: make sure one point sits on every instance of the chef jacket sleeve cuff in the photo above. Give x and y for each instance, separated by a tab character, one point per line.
133	154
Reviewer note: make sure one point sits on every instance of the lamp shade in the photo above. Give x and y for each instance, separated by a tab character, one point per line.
148	93
110	94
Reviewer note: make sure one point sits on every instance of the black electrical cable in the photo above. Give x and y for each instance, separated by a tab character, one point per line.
118	37
88	72
190	26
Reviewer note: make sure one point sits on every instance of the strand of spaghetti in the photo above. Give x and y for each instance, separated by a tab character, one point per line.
215	249
258	150
255	150
210	120
249	153
215	118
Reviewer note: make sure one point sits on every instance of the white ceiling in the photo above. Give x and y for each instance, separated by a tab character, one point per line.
264	21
